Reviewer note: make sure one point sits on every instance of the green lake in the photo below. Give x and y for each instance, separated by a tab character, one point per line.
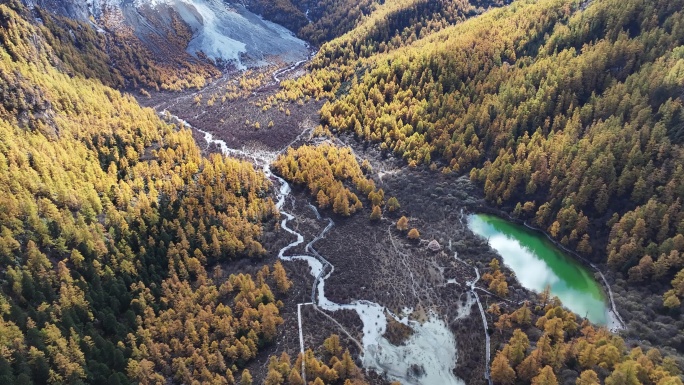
538	263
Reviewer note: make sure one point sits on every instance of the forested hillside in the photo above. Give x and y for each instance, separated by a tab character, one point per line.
395	24
569	114
315	21
319	22
110	220
566	350
116	230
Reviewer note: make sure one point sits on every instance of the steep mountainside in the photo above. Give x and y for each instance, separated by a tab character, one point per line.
583	124
116	229
108	220
321	21
567	113
226	33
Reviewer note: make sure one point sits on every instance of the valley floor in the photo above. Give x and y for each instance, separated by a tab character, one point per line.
372	260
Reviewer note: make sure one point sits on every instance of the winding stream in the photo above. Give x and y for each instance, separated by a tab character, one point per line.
428	357
432	347
538	263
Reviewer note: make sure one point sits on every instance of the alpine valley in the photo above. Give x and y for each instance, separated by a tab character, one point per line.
338	192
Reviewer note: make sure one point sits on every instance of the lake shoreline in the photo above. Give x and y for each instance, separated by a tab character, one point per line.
616	322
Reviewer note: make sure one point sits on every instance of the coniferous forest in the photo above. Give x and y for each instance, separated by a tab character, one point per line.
134	251
110	221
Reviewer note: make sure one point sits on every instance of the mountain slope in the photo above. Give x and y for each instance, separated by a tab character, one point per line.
222	32
569	115
109	218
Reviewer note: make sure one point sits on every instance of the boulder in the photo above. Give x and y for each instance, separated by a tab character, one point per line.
434	246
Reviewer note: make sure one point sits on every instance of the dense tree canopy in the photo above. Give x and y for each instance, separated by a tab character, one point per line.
563	344
324	170
569	114
109	218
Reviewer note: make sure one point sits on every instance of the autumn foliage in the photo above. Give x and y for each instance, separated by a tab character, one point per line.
568	113
110	218
330	364
563	344
327	171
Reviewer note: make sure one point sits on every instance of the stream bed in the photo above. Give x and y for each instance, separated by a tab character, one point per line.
538	263
428	357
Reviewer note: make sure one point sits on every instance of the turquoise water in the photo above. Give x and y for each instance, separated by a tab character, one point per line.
538	263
